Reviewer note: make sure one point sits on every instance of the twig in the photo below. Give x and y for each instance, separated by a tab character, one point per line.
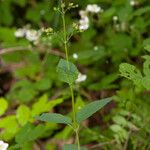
102	144
13	49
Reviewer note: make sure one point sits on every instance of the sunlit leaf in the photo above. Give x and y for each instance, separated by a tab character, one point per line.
44	105
23	114
10	127
3	106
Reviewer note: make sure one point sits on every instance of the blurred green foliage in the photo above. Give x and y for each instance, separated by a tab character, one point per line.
33	86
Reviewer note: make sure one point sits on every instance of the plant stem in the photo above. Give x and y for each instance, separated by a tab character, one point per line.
73	105
77	138
75	124
65	36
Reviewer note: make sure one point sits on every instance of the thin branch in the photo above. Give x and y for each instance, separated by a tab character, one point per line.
102	144
13	49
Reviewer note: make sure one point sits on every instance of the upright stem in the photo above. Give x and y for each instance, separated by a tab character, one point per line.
65	36
73	105
76	128
77	138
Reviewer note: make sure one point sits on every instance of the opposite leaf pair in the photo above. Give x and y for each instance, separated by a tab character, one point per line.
83	114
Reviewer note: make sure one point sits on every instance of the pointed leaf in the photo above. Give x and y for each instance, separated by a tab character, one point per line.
67	71
91	108
3	106
23	114
55	118
72	147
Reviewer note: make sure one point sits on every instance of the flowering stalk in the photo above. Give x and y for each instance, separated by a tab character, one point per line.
65	34
75	124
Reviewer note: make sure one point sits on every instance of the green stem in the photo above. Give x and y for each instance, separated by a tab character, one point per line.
65	36
75	126
73	105
77	138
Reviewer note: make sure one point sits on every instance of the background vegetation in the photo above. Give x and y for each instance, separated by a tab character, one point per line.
114	55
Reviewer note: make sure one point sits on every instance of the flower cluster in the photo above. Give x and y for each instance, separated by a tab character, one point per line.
84	21
30	34
3	146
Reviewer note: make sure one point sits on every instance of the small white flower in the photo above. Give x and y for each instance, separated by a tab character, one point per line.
81	78
132	3
84	23
95	48
83	13
32	35
115	18
3	146
93	8
19	33
75	56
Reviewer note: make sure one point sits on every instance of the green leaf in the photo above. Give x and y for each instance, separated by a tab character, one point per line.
146	66
91	108
44	105
65	134
54	118
146	82
118	119
9	126
43	84
23	114
131	72
3	106
72	147
119	131
67	71
29	133
147	47
21	3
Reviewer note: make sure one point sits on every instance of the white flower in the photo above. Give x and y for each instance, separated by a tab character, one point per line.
93	8
83	13
3	146
32	35
75	56
132	3
95	48
20	32
84	23
115	18
81	78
